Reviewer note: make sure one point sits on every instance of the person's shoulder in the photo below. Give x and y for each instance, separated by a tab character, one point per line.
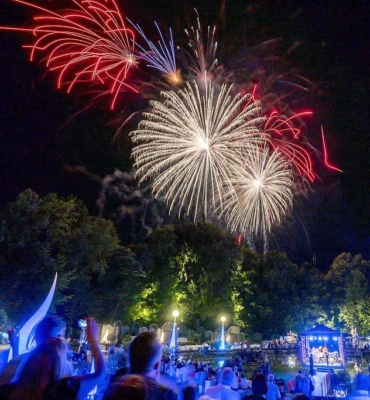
213	389
65	388
161	392
358	397
277	390
8	373
6	390
254	397
17	359
233	395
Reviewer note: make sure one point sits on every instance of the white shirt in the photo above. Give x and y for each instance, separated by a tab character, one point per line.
273	392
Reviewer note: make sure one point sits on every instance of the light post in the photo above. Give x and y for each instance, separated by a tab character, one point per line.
173	343
222	345
82	323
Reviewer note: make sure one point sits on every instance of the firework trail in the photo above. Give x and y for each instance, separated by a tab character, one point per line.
190	144
87	43
202	56
161	57
283	135
261	193
332	167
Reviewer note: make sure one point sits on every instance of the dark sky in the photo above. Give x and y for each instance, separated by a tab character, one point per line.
36	142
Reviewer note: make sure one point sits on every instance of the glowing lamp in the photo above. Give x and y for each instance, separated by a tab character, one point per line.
222	345
173	342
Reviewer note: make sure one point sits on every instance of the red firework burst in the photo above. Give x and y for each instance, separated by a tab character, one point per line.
87	43
282	135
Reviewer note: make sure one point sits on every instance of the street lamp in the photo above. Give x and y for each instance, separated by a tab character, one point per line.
222	345
173	343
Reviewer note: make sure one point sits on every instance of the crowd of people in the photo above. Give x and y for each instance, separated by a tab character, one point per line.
46	373
201	375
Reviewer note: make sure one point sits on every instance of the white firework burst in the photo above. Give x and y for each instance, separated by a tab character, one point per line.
191	144
262	192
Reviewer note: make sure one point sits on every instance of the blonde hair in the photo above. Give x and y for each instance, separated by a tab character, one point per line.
45	365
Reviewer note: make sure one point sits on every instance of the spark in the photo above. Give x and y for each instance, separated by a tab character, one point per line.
262	192
161	57
191	143
326	153
89	43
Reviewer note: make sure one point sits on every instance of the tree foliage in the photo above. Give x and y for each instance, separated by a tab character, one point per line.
120	286
196	268
43	236
203	272
278	296
347	282
189	266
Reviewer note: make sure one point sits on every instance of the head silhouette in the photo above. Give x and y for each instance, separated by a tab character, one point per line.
145	353
50	326
227	376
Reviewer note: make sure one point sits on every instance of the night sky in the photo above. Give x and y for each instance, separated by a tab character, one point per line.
39	139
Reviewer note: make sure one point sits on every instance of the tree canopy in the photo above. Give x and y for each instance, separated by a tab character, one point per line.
42	236
195	268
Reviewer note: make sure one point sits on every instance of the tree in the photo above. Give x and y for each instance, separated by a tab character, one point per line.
347	282
242	281
310	301
42	236
156	255
190	267
279	296
206	275
123	282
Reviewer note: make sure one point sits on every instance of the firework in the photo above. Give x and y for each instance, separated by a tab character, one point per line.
261	192
283	135
161	57
202	57
332	167
87	43
191	144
